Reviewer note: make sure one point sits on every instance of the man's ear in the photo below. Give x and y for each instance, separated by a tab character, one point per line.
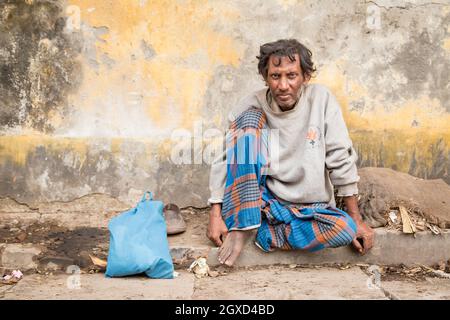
307	78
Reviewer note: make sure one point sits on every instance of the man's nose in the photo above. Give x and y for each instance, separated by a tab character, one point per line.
283	84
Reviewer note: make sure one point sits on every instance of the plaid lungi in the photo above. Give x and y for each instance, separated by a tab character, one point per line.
249	204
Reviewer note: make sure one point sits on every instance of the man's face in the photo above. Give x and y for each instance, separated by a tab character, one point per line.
284	78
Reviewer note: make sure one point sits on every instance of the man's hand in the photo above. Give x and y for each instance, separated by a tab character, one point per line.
217	230
365	236
364	239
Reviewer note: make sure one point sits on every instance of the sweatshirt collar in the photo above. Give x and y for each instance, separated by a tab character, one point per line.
266	99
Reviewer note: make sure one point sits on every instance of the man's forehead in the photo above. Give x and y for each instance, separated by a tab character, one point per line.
276	62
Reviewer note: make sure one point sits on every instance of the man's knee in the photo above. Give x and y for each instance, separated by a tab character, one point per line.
344	232
252	118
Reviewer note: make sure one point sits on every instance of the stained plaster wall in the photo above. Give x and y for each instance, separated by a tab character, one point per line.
91	91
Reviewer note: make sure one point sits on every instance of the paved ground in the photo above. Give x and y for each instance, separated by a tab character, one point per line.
332	274
274	282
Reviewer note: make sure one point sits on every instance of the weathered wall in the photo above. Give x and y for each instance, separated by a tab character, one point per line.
91	90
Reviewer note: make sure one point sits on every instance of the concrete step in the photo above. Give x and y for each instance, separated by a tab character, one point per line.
390	248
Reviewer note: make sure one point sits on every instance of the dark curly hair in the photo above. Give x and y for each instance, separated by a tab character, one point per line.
285	48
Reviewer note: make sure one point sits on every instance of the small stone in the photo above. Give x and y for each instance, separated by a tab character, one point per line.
213	274
292	266
22	236
52	266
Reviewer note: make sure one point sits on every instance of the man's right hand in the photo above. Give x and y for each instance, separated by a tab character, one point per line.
217	230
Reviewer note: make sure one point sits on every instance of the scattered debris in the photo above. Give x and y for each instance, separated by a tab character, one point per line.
417	272
393	217
13	278
435	229
381	189
175	274
363	265
213	274
409	221
98	262
345	267
221	270
17	274
441	265
21	236
440	273
199	267
408	226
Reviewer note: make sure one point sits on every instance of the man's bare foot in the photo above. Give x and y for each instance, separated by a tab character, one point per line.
232	246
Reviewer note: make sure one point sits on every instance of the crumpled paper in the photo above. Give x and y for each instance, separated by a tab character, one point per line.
199	267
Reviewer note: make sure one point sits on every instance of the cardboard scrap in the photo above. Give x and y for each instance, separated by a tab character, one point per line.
408	225
98	262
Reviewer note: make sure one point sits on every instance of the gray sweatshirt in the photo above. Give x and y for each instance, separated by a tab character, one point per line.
314	151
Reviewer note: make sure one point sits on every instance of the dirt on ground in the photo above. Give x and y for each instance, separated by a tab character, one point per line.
63	247
382	189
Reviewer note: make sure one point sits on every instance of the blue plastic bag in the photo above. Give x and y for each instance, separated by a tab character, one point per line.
138	242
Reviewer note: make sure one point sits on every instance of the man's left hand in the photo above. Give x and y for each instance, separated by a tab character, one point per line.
364	239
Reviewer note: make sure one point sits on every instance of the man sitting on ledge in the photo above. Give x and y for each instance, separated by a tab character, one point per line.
282	189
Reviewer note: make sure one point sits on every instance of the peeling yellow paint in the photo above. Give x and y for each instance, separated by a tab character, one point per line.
288	3
187	50
391	137
446	44
427	112
116	144
18	148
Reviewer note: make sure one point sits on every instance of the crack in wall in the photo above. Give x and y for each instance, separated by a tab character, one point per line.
406	6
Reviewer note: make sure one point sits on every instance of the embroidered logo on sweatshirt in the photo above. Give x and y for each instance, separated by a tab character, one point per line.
313	137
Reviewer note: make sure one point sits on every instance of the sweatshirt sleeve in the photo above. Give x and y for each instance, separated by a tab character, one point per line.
341	157
218	173
217	179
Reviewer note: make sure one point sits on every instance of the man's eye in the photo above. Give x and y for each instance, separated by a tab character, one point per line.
275	76
292	76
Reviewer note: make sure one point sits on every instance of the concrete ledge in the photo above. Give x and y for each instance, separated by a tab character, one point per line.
391	247
19	256
183	256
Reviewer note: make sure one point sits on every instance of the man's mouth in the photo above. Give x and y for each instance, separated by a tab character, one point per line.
284	96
